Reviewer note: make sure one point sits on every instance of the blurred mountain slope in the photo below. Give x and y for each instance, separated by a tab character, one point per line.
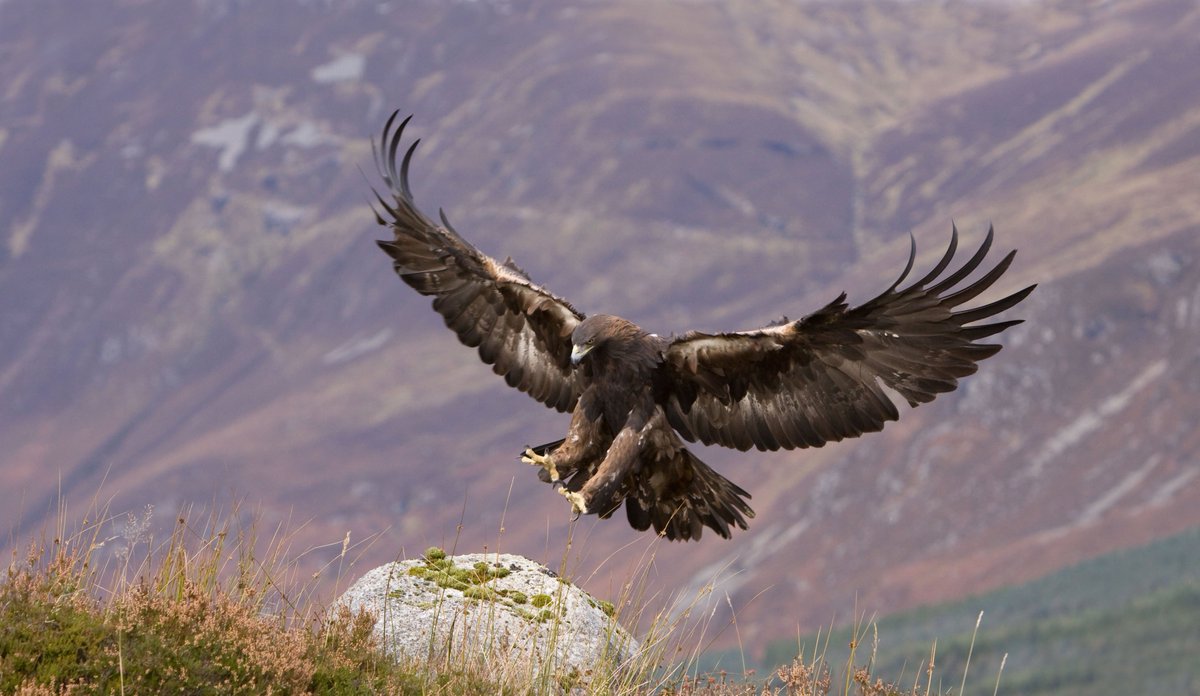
194	310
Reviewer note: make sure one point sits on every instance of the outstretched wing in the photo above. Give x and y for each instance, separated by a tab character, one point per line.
520	329
821	379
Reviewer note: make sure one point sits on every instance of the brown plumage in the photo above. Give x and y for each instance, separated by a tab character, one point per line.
634	397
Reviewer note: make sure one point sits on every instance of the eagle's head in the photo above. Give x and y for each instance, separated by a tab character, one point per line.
602	332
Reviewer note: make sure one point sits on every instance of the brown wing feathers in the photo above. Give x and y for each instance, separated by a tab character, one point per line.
792	384
519	328
821	378
916	333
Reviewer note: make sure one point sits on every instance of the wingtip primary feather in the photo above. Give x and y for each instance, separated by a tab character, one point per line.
392	142
912	257
974	289
987	310
942	263
967	268
404	187
385	152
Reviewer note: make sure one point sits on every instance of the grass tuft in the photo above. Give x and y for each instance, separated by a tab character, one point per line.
192	617
204	612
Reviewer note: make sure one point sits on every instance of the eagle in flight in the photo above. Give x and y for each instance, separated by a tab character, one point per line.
636	399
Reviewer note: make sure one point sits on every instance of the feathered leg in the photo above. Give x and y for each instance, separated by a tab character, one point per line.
602	492
558	460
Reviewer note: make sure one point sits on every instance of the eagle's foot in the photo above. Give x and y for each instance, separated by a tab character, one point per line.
578	504
544	461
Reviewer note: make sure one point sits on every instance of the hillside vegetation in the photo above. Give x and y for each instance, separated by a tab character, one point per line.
202	613
1123	623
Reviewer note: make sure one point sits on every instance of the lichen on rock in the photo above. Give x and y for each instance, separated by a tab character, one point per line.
509	616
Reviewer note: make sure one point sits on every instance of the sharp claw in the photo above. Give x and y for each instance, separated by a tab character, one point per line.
578	504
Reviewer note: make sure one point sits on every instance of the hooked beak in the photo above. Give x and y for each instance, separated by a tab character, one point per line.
577	353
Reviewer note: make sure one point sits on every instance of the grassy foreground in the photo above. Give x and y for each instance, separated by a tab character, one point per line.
202	614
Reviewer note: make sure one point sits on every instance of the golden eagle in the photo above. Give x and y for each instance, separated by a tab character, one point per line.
635	397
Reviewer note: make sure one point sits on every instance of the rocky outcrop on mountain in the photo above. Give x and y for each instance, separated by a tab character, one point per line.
514	620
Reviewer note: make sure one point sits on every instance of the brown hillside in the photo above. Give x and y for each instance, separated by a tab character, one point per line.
194	309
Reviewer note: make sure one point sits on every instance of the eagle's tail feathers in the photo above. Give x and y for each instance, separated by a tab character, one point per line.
698	497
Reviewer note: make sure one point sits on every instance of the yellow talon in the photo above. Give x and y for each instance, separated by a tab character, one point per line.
546	462
577	502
